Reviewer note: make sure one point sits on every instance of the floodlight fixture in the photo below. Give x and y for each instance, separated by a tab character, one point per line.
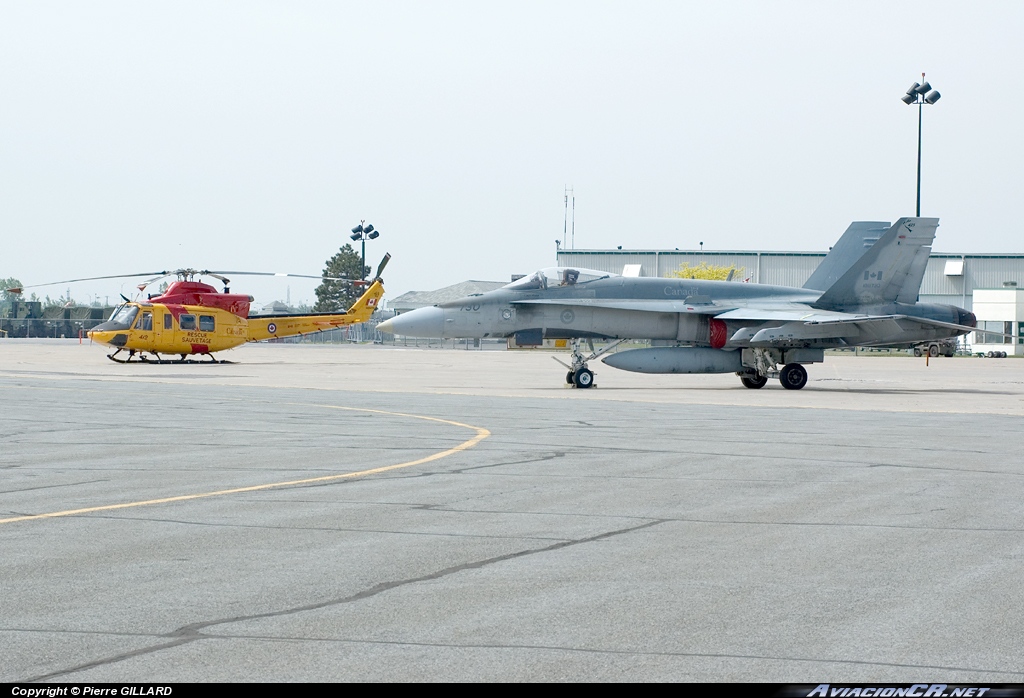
920	94
363	232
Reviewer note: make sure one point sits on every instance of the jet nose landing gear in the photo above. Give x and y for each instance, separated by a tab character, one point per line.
583	378
580	375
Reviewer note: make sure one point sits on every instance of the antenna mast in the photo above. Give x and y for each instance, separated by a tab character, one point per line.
565	219
565	222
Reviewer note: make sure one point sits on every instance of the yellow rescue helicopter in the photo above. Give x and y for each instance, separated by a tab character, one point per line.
193	318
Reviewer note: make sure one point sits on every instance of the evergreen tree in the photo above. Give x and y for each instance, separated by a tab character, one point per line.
7	283
332	296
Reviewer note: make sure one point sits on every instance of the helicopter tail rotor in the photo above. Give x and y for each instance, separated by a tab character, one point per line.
383	263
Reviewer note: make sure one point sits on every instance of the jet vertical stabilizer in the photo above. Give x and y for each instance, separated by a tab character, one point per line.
856	241
891	270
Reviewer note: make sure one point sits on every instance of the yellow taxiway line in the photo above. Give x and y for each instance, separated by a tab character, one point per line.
481	434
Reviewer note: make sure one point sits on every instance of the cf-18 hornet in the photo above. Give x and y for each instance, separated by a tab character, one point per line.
863	294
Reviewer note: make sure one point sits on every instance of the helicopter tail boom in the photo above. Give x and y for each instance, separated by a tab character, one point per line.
270	326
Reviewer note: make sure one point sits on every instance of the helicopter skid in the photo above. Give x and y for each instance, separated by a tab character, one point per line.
134	358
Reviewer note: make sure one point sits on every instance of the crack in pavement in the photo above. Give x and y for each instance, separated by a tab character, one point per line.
525	646
193	631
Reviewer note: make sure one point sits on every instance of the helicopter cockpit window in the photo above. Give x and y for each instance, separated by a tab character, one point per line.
146	321
125	315
187	322
551	277
206	323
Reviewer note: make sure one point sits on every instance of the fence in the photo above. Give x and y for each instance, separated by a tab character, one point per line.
44	327
56	328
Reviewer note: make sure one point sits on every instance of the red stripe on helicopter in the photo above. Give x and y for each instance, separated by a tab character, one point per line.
176	310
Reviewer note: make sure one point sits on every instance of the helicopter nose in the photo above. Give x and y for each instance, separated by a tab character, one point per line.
422	322
108	337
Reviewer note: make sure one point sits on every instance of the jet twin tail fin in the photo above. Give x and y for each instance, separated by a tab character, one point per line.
890	271
857	239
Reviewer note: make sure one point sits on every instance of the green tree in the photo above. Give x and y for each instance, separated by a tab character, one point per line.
58	302
714	272
9	282
339	295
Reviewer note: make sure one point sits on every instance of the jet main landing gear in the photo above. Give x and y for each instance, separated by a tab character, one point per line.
753	381
792	376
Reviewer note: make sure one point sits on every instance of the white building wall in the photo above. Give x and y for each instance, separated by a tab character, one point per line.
1005	308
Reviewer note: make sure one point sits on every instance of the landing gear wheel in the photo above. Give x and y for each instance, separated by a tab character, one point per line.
793	377
583	378
753	381
568	377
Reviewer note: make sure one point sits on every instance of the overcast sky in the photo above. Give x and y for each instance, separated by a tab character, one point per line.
254	135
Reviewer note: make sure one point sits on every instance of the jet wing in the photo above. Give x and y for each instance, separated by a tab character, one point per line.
801	313
803	325
799	326
699	304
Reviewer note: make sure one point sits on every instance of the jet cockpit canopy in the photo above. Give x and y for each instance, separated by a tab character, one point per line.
552	277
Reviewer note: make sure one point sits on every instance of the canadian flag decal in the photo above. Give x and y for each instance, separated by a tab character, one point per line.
372	302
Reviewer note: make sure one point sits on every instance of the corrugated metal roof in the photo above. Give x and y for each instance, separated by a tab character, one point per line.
425	299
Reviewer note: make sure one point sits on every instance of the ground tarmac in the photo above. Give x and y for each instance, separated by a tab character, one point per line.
327	513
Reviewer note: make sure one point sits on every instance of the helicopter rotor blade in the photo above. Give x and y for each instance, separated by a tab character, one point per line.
271	273
92	278
145	284
383	263
220	275
217	275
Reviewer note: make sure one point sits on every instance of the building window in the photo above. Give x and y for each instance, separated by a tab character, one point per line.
992	327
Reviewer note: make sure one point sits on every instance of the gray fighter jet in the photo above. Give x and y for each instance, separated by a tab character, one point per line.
864	293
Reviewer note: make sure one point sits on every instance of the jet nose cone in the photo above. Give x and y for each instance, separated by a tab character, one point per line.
422	322
968	319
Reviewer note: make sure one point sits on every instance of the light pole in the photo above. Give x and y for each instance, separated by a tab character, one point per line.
920	94
364	233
